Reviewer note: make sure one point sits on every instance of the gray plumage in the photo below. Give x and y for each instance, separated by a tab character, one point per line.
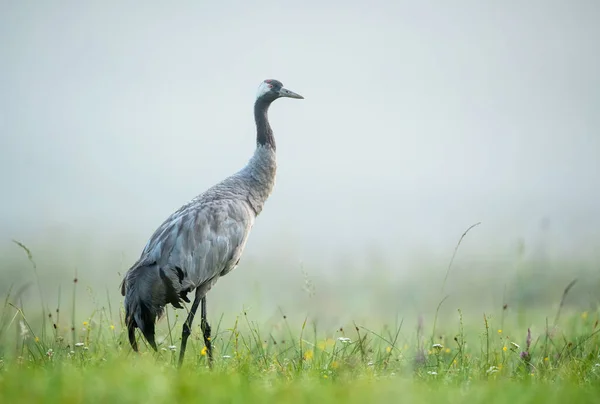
205	238
200	242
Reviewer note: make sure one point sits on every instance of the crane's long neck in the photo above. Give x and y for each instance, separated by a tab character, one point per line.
264	133
259	173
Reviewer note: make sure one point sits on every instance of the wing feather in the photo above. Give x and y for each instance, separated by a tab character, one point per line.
200	242
193	248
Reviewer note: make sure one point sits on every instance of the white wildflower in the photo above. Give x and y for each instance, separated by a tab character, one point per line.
79	344
344	339
433	373
226	356
492	369
437	346
172	347
515	345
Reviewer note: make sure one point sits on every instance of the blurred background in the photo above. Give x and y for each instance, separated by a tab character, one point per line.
419	119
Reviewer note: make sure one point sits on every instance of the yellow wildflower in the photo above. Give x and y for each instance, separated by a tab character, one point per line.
388	349
203	351
504	349
546	359
308	355
37	339
499	331
85	323
447	350
112	327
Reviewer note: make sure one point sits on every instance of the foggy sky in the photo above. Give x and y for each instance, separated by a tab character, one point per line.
419	119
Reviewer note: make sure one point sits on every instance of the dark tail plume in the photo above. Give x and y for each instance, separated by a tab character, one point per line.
131	331
143	318
142	304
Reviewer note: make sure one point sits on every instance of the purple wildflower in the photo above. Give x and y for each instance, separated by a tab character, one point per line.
525	354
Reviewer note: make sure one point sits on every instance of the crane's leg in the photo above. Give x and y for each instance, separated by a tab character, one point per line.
206	332
187	326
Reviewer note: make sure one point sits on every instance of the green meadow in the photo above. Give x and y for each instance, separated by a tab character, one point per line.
536	344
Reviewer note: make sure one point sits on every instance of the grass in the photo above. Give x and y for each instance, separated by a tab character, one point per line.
53	357
285	365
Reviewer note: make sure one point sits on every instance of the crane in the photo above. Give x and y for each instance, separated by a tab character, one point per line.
204	239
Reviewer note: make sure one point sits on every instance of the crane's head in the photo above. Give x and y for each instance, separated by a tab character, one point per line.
270	89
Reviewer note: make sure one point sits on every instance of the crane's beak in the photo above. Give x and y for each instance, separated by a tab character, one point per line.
284	92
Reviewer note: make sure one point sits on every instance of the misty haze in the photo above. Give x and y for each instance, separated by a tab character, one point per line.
419	120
